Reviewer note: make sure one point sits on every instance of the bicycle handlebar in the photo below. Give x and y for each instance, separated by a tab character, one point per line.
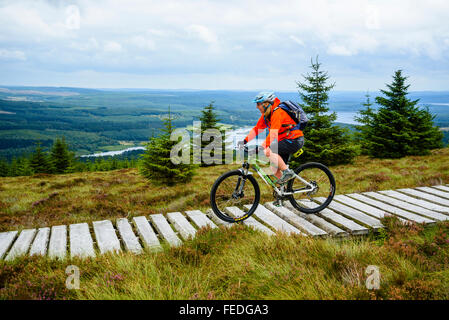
246	151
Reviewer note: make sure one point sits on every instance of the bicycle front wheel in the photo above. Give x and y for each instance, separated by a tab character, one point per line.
234	197
321	185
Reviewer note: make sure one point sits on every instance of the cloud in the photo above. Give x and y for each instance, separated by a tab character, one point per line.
112	46
32	21
12	55
352	44
297	40
90	45
372	17
339	50
143	43
73	18
258	38
203	33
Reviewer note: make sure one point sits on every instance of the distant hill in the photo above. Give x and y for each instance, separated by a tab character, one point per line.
94	120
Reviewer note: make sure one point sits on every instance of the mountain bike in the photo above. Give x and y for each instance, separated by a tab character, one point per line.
235	195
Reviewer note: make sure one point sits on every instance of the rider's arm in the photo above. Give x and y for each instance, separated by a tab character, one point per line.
260	125
276	124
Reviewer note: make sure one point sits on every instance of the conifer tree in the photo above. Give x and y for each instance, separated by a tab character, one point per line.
39	161
209	117
368	111
209	120
60	156
13	168
4	168
114	164
399	127
92	166
156	164
324	141
23	167
126	164
77	166
103	165
97	164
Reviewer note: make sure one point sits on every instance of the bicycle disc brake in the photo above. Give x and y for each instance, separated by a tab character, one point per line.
315	188
238	192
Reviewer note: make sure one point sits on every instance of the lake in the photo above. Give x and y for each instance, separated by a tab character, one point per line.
234	136
112	153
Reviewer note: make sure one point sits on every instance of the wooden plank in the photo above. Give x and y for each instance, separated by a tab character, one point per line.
408	206
200	219
22	244
39	246
419	202
394	210
425	196
373	211
439	193
107	240
6	240
164	229
274	220
319	222
250	222
296	220
57	248
442	188
130	241
185	229
81	244
339	220
147	234
210	213
353	214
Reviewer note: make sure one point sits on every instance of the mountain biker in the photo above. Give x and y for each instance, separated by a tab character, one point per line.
280	125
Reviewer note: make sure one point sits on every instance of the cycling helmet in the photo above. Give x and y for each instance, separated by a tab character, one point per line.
264	96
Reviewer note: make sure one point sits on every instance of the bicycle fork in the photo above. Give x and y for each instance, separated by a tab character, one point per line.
238	191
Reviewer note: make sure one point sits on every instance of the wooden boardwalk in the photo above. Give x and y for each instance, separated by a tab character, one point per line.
350	214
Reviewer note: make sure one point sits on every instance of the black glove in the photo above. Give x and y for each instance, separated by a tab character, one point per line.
240	144
258	150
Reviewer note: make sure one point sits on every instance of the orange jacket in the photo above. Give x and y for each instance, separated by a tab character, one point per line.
278	118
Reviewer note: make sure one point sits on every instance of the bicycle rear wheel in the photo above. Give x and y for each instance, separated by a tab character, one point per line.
234	197
321	178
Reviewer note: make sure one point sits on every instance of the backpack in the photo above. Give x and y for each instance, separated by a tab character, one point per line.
296	113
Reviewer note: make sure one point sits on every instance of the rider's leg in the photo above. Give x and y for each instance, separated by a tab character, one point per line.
277	163
276	172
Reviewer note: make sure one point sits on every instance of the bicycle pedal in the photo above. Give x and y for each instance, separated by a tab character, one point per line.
278	203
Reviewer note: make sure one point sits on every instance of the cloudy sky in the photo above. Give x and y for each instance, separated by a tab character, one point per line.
232	44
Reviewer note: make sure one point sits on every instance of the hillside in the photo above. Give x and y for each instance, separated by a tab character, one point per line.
45	200
106	120
226	263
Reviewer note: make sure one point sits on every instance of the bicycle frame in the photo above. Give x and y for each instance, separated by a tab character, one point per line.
253	161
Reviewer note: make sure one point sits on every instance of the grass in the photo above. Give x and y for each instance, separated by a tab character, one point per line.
240	263
46	200
223	263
